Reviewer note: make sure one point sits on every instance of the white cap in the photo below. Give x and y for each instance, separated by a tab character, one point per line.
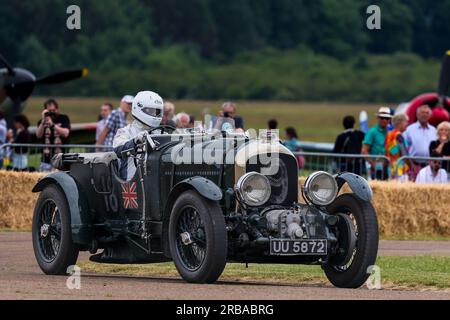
384	112
127	99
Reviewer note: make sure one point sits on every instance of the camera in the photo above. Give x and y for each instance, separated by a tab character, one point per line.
50	114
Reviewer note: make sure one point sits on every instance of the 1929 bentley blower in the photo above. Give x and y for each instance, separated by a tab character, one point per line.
203	198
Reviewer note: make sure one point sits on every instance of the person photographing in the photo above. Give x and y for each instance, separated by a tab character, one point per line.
54	130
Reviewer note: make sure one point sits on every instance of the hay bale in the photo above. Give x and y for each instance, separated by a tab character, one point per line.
403	209
17	200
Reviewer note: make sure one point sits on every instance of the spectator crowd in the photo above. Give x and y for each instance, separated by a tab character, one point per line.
53	130
409	148
388	150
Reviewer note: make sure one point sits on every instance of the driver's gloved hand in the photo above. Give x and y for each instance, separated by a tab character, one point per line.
140	138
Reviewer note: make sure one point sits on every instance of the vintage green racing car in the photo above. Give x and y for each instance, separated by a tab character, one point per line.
202	198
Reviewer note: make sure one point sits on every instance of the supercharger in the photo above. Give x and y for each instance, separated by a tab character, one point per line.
285	222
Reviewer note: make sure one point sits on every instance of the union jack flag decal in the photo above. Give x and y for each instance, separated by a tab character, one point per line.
129	195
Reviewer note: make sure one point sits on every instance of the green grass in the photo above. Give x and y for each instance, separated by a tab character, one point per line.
418	237
411	272
313	121
427	271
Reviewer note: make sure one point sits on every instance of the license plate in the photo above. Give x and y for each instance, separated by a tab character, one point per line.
282	247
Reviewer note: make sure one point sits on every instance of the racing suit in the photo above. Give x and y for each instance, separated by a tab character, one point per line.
124	140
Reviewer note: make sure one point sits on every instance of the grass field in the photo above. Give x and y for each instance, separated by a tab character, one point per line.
314	121
411	272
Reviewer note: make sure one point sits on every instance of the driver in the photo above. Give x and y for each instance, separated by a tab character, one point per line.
147	111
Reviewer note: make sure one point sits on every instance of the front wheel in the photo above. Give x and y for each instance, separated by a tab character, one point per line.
357	247
51	231
198	238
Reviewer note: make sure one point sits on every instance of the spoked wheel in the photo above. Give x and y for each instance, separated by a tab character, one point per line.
52	238
197	238
49	227
191	239
357	232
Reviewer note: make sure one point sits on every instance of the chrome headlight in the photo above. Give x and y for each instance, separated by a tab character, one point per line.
253	189
320	188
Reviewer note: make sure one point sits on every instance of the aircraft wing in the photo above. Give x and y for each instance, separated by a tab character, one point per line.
309	146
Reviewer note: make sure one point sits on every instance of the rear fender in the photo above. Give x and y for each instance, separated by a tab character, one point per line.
357	184
79	211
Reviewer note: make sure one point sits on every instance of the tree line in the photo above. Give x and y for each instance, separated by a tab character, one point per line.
240	49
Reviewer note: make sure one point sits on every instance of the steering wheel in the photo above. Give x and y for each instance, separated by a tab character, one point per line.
163	128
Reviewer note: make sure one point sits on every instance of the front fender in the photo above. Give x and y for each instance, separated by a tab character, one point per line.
205	187
79	212
357	184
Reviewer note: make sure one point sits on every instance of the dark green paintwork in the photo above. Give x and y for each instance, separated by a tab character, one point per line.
79	214
205	187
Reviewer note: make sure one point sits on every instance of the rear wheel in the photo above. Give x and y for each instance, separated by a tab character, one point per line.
357	249
51	231
198	238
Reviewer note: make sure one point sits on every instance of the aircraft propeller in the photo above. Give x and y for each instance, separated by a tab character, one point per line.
17	84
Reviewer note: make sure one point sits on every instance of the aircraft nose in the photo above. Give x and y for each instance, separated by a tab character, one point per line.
439	115
20	76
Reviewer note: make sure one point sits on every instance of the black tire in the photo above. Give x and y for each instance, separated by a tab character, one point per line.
55	251
354	274
203	260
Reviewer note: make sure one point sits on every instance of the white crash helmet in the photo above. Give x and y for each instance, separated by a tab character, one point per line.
147	108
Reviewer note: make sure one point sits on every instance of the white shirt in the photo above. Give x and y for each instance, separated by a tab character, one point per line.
419	139
3	132
426	176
